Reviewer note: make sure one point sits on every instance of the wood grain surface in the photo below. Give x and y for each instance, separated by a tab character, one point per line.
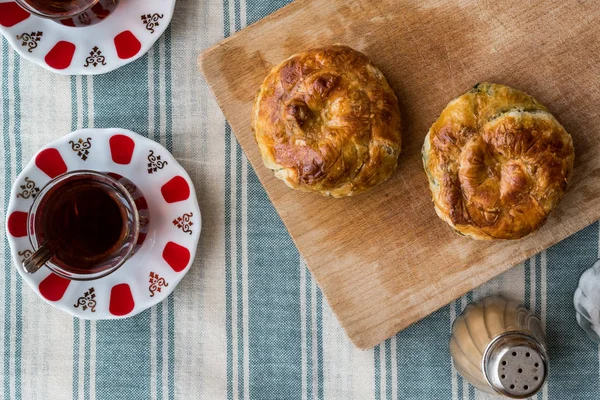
384	259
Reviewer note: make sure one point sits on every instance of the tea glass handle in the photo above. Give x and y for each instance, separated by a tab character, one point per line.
35	261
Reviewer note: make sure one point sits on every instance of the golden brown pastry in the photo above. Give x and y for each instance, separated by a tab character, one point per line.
327	121
498	163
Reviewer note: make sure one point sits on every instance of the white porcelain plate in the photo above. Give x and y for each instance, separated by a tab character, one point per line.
167	252
124	36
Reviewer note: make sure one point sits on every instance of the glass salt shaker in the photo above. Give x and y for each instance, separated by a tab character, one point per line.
587	302
499	347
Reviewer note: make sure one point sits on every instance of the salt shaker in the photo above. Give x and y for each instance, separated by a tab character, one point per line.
498	345
587	302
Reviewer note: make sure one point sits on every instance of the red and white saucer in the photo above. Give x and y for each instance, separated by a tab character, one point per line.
124	36
167	253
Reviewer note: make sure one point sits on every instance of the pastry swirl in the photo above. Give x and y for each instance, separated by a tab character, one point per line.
497	162
327	121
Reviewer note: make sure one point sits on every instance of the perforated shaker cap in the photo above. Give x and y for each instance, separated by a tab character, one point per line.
515	365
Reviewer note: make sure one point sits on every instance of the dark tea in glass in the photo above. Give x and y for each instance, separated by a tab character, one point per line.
89	221
71	12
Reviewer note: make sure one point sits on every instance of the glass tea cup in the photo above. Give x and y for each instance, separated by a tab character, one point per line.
84	224
75	13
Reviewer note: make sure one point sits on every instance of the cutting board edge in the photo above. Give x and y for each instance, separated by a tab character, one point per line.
267	180
368	344
204	56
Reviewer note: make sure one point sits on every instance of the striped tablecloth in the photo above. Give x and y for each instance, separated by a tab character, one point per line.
248	321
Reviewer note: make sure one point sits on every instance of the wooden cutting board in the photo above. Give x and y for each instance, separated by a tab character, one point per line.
384	259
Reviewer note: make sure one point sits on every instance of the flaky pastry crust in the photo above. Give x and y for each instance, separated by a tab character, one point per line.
497	162
327	121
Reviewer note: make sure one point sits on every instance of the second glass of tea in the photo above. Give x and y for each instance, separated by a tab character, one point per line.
85	224
76	13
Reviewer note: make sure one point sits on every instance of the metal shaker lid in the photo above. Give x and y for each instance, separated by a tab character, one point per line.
515	364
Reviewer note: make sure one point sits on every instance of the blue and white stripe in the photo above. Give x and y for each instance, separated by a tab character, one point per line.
249	321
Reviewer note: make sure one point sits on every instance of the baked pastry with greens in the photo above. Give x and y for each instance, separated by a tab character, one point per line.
327	121
498	163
